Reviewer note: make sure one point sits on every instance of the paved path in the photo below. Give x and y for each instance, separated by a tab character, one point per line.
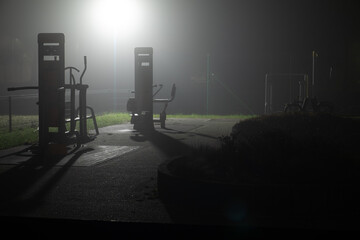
113	177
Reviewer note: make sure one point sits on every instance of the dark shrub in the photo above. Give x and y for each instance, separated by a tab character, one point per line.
282	148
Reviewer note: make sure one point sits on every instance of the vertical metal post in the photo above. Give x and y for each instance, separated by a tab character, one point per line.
115	73
82	104
266	94
307	85
51	57
72	102
271	98
82	109
144	86
300	90
207	82
314	54
10	115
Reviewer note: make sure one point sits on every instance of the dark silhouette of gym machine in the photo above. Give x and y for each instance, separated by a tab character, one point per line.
305	101
54	112
141	106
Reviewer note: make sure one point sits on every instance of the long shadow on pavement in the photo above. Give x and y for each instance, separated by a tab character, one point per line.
22	187
166	144
191	134
172	147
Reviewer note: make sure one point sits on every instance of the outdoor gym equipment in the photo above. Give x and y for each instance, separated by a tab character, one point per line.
305	101
141	107
277	88
310	104
53	136
298	99
80	114
166	101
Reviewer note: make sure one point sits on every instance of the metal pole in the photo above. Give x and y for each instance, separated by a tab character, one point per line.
10	117
115	72
307	86
207	82
266	95
271	99
313	74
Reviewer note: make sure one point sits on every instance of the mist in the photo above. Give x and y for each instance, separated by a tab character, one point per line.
236	42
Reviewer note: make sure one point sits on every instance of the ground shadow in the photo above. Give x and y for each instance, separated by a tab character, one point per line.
163	142
190	134
22	152
167	144
23	186
179	207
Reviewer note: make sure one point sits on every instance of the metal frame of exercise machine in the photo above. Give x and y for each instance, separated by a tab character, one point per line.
299	88
53	136
141	106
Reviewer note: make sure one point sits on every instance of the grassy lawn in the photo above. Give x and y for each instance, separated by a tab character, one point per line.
18	137
19	122
240	117
25	127
109	119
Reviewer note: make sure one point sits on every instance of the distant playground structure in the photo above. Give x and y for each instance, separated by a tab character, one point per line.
293	92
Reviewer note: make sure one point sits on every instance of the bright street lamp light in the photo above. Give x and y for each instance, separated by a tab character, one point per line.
117	16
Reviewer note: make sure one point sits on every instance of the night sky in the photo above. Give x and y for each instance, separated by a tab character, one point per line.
244	39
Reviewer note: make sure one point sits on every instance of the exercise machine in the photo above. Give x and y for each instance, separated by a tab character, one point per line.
72	114
281	88
53	135
141	106
290	92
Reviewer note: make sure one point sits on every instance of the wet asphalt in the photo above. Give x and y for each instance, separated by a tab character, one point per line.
113	178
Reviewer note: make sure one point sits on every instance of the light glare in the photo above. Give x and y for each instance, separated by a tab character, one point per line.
117	16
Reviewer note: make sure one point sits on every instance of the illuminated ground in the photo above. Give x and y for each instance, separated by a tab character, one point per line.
111	178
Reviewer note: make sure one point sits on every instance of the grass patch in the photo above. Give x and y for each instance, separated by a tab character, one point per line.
108	119
240	117
24	127
18	137
282	148
19	122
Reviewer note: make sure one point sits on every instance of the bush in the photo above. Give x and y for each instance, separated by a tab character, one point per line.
283	148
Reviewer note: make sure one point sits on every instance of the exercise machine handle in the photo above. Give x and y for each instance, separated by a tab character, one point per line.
160	87
72	68
22	88
85	67
72	78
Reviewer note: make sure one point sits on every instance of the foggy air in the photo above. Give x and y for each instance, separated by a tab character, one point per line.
255	129
231	45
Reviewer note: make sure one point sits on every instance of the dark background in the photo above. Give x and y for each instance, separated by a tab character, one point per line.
244	41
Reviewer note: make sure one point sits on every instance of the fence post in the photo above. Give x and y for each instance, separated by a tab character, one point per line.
10	117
